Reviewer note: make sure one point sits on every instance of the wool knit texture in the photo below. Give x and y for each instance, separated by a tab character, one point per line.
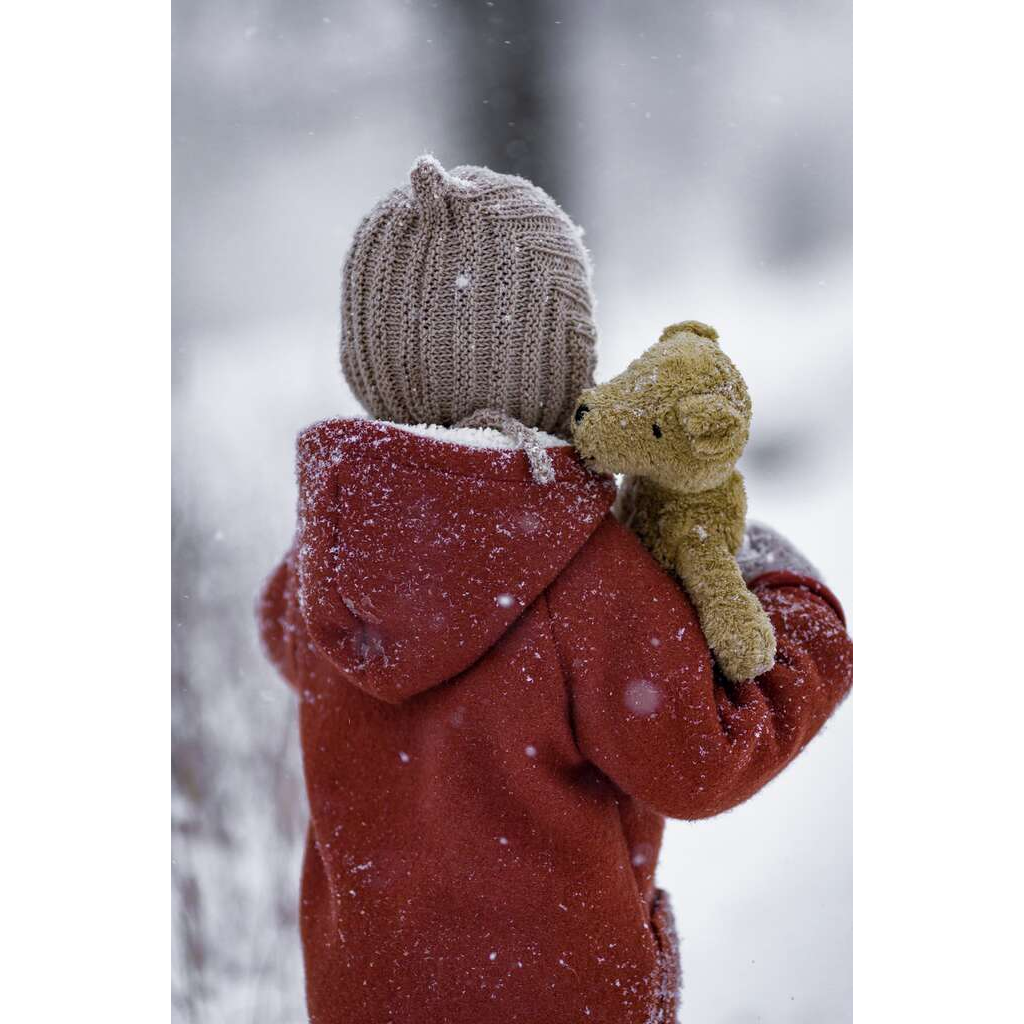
468	290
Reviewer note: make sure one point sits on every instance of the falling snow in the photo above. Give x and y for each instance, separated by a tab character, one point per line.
642	697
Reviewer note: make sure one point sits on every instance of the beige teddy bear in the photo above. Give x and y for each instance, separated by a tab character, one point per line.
676	421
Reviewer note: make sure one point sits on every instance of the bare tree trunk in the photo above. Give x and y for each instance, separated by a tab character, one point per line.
510	93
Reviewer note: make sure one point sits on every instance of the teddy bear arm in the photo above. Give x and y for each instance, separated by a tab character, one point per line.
736	627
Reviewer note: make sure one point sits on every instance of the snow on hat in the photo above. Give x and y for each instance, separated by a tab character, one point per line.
467	290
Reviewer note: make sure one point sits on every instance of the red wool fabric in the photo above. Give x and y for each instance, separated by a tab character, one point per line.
502	696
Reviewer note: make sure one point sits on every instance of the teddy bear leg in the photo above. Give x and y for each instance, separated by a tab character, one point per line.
735	625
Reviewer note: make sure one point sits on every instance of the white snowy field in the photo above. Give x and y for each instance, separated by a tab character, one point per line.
705	148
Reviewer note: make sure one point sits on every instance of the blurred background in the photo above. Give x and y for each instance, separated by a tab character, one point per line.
705	148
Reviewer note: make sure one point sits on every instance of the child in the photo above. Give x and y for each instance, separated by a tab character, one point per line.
502	694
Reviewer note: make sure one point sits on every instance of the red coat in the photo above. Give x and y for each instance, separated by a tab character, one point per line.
502	695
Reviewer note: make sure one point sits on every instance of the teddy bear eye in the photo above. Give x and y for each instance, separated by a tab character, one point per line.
655	430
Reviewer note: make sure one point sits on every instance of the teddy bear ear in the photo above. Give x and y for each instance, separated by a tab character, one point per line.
712	422
691	327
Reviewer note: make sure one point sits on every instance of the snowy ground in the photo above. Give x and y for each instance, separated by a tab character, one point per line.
713	183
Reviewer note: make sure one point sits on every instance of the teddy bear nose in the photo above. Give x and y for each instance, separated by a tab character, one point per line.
581	411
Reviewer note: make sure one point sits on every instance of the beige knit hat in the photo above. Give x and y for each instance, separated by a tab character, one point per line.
467	290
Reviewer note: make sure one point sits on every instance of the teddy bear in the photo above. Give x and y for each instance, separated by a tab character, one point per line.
675	421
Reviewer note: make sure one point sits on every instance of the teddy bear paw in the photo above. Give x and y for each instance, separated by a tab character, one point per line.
748	650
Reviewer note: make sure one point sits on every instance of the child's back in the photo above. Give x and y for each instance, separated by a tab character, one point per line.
501	696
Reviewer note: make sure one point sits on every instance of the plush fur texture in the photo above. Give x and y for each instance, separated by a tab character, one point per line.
675	421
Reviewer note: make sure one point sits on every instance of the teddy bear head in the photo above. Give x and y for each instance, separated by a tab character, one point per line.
679	415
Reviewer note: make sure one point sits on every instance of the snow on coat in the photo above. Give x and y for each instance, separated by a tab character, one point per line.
502	696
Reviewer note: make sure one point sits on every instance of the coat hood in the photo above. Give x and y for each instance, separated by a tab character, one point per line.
416	553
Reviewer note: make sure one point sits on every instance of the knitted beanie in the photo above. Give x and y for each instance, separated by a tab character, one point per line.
467	290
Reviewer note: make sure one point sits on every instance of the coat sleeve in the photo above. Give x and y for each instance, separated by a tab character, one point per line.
277	617
648	707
